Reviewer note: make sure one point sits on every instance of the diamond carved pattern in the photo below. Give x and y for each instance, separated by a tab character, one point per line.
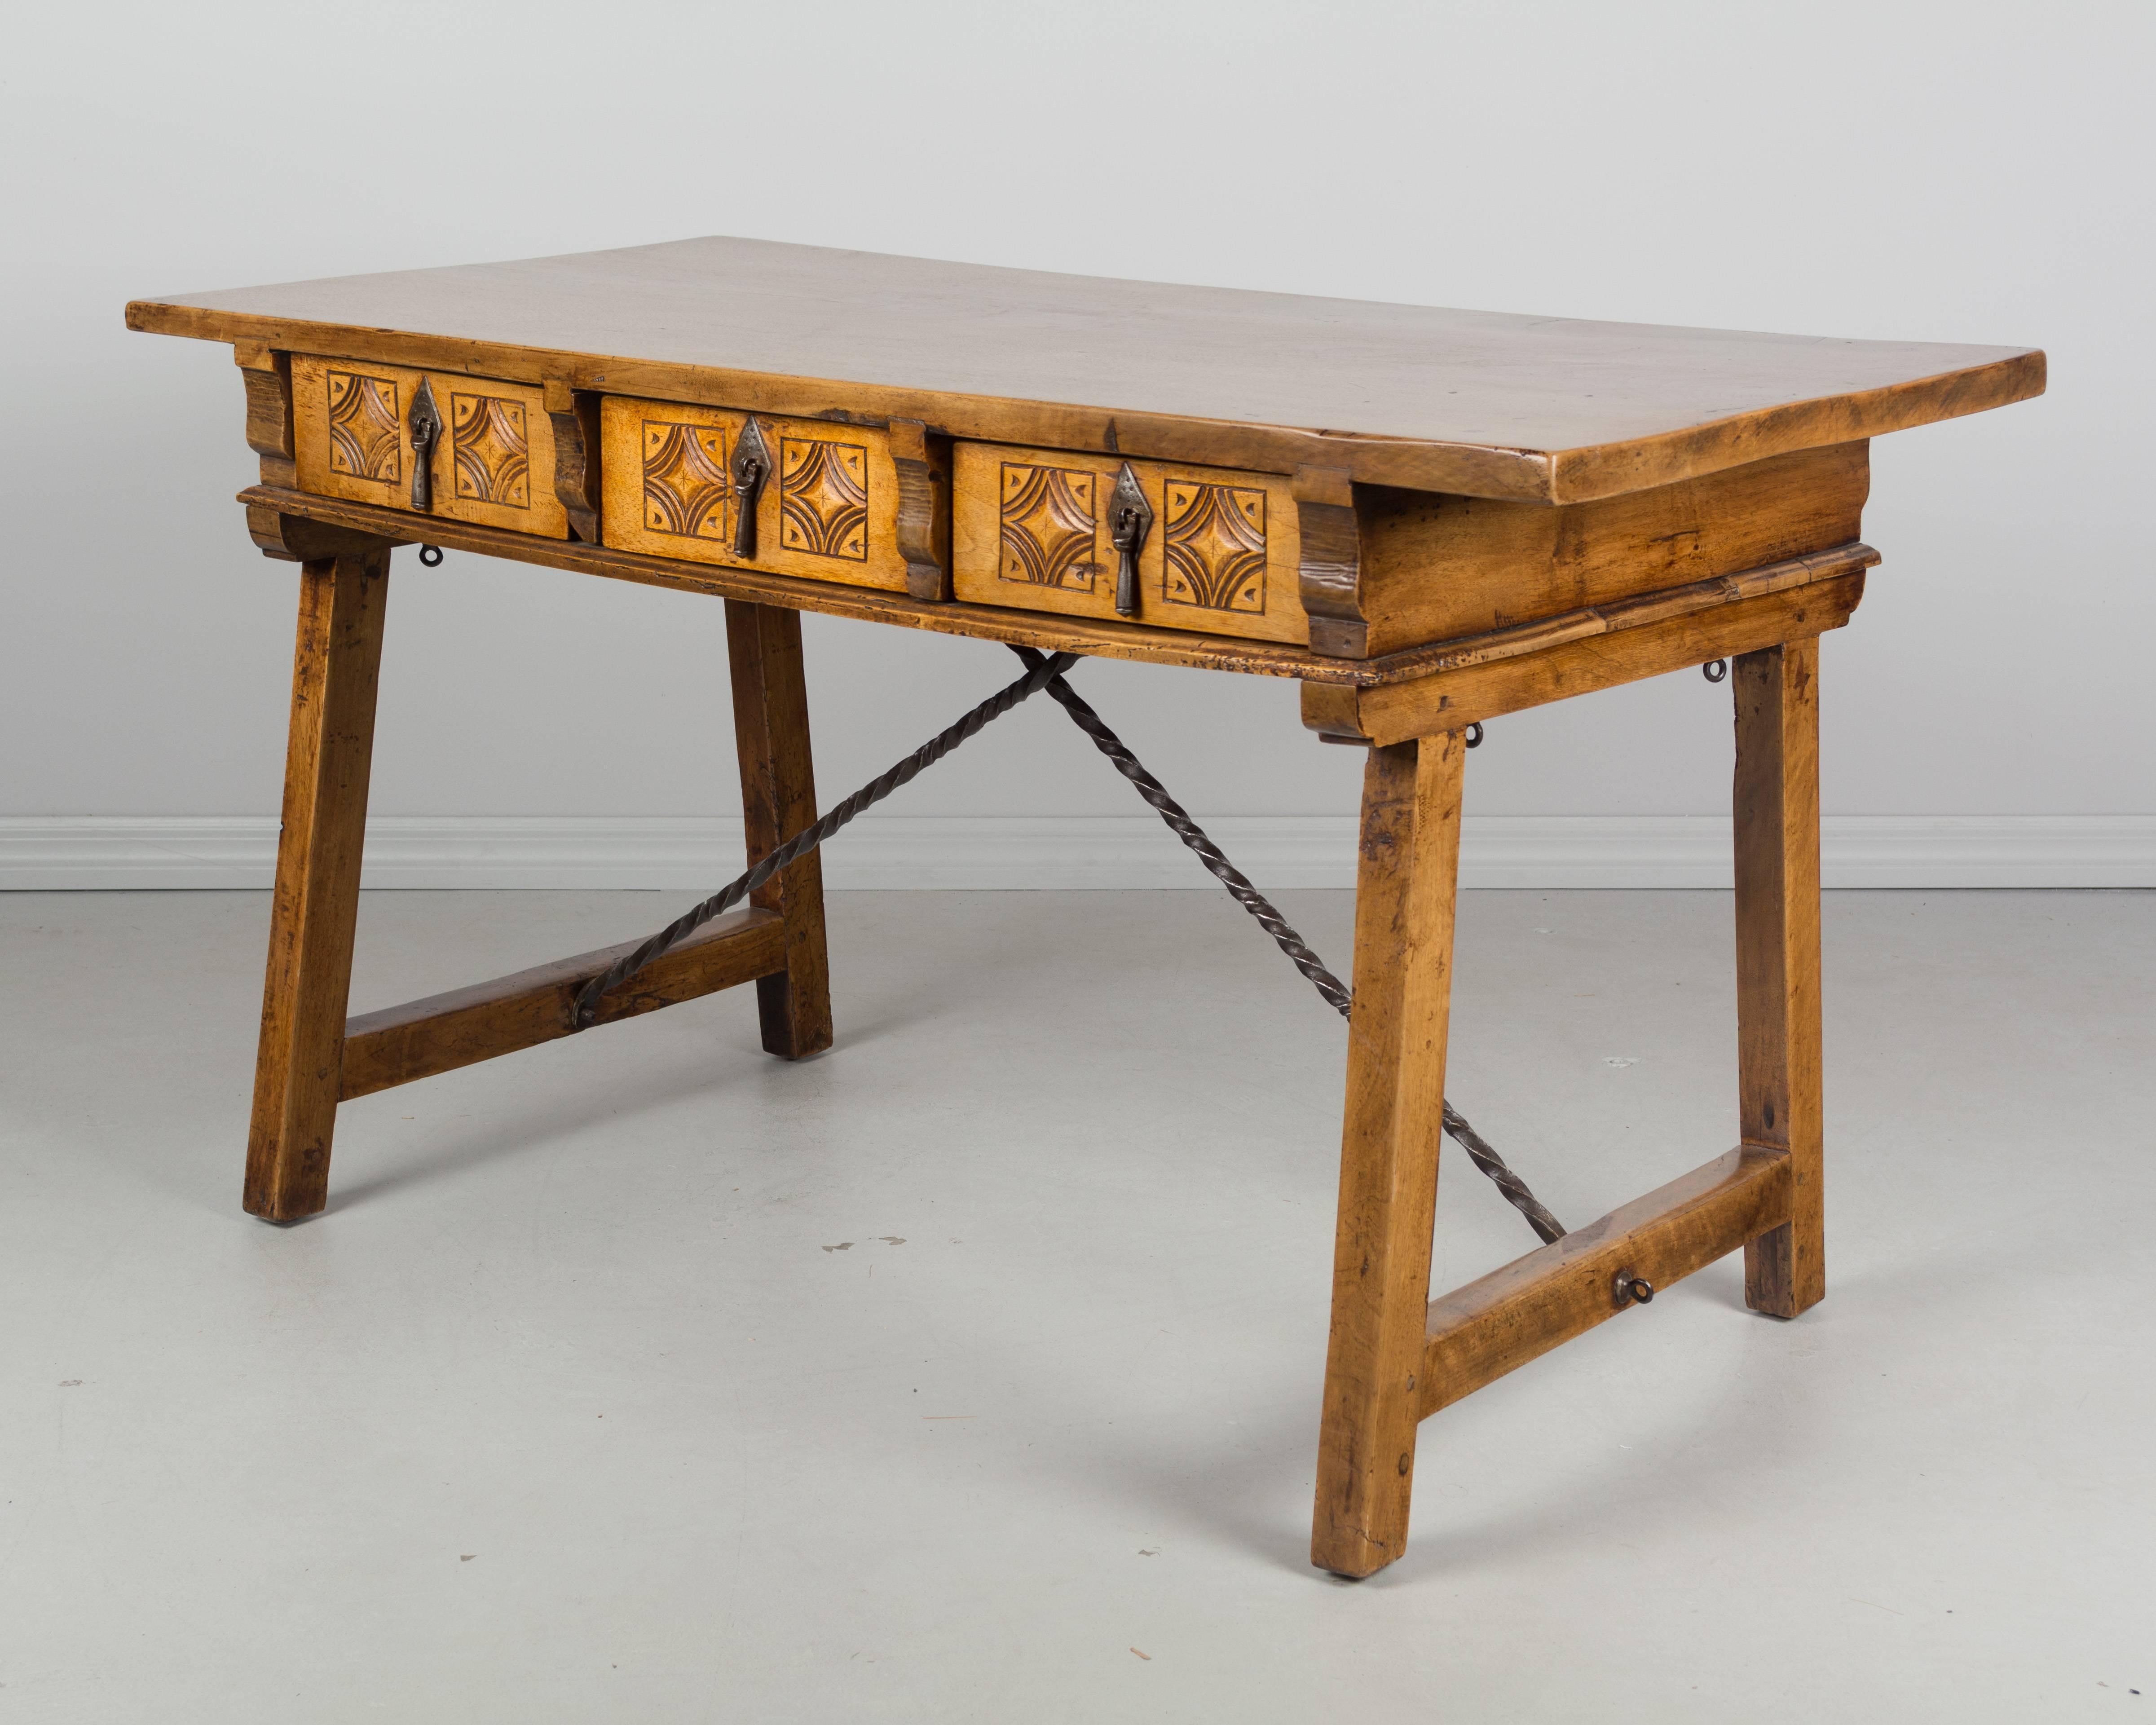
1049	527
1215	544
364	427
489	450
823	498
685	487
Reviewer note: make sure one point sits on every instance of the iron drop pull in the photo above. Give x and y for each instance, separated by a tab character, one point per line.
751	467
425	421
1130	519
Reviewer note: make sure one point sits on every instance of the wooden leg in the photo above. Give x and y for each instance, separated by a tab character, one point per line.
1403	978
298	1065
1778	960
779	800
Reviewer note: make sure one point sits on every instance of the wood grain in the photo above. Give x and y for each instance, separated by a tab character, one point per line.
667	493
1435	567
1088	637
494	463
1405	882
1666	604
1463	514
922	462
300	539
1393	711
1030	530
336	667
1478	1333
575	415
443	1032
779	800
1329	564
268	377
1778	1060
1537	408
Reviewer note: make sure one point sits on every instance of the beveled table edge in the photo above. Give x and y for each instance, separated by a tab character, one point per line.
1526	475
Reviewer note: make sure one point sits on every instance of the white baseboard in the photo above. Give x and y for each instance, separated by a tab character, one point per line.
64	854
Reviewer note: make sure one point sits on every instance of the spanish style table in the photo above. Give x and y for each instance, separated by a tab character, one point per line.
1426	518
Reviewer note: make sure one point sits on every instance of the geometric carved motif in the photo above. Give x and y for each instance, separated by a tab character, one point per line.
1048	527
823	498
685	487
364	427
491	453
1216	541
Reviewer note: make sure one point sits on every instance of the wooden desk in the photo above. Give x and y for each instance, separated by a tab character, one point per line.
1426	518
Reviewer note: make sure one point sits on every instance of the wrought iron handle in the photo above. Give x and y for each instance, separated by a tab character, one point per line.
425	421
1130	519
751	467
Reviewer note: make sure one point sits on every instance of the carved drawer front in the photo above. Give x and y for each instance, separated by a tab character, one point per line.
490	459
826	508
1031	528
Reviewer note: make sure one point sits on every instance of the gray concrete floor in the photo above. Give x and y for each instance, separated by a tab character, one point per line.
971	1372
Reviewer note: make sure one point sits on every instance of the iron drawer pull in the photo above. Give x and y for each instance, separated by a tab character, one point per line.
426	422
1129	518
751	467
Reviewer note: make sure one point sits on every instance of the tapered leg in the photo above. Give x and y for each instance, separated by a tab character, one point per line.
1403	912
304	996
1778	959
779	800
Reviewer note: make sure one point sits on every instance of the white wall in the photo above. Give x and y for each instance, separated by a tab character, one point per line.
1962	172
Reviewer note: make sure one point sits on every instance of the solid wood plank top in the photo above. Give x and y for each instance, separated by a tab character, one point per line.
1547	409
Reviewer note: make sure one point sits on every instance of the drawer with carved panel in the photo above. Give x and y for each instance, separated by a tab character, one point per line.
435	443
1211	550
822	500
